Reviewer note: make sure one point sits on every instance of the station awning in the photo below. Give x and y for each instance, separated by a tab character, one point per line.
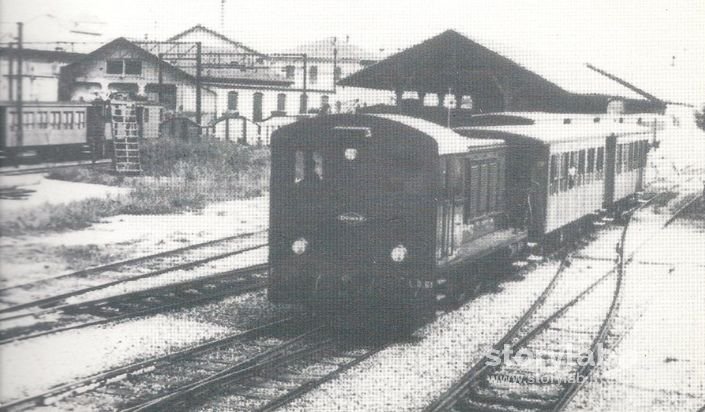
446	61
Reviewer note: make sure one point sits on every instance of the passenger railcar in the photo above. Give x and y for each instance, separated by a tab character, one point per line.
55	130
370	212
66	130
562	174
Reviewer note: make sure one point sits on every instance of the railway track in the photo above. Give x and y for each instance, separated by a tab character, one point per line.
53	291
16	171
260	369
551	379
145	302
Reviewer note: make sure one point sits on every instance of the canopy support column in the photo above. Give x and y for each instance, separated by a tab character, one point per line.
441	99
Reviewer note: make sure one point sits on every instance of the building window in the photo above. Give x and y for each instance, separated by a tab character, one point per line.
281	102
127	66
290	72
133	67
114	67
325	106
337	73
145	115
313	74
303	103
257	107
232	101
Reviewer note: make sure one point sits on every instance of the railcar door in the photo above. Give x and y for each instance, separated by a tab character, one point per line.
450	207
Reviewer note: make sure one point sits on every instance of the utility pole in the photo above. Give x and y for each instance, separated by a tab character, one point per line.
161	78
20	125
335	63
304	97
10	73
198	86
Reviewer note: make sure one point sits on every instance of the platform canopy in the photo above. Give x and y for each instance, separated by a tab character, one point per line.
452	64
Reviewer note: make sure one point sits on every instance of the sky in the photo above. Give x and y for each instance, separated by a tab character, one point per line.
657	45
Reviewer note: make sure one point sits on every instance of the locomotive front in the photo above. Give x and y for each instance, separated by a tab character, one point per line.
352	215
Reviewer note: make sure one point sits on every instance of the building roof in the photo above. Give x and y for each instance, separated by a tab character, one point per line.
323	49
53	55
448	140
557	132
203	29
122	42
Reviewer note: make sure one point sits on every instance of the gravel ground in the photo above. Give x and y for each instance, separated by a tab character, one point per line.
127	236
408	376
52	192
656	360
38	364
81	353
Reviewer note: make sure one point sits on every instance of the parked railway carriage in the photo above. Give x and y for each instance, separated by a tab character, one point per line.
369	211
560	174
56	130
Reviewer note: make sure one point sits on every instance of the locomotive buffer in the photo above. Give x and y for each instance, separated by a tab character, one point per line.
126	149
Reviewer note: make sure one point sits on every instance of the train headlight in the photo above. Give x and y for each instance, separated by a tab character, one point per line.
299	246
399	253
351	153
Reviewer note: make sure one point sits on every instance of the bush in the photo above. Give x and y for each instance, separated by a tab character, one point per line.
178	176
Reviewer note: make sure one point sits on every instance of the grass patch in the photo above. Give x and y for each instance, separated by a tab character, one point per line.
178	176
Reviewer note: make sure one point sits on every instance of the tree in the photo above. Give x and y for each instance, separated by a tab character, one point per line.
700	118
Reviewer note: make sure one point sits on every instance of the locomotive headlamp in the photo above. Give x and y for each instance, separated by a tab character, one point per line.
351	153
299	246
398	253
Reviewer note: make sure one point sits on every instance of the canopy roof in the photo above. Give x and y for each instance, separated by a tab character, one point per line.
449	60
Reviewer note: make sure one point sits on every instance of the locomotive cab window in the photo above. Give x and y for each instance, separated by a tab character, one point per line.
308	166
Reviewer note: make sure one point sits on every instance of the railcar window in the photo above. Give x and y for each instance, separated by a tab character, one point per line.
644	152
318	165
28	120
591	160
299	166
581	166
492	187
565	163
68	120
455	177
554	174
81	119
482	181
573	170
56	120
43	120
600	161
13	121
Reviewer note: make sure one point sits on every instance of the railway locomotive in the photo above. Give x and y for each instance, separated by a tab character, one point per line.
375	213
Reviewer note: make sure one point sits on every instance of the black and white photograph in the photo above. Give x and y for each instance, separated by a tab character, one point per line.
427	206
